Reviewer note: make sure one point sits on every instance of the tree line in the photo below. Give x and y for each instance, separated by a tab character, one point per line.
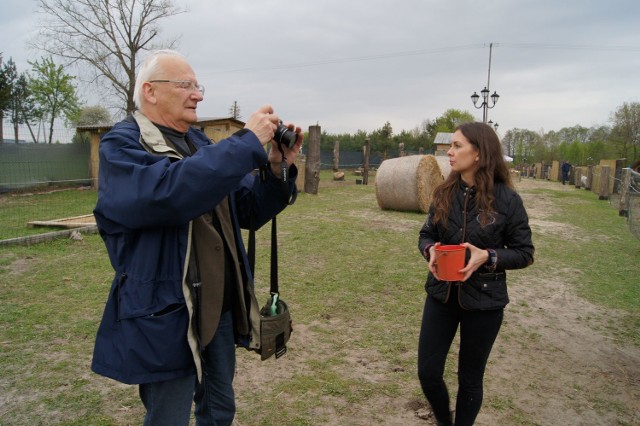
578	145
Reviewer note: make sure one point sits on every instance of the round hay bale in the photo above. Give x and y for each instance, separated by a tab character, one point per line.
407	183
445	166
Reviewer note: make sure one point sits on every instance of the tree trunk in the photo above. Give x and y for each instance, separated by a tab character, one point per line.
33	136
51	129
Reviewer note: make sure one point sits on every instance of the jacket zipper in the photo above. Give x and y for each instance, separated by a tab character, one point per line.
467	194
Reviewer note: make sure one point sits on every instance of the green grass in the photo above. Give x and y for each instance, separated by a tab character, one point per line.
16	210
599	249
351	275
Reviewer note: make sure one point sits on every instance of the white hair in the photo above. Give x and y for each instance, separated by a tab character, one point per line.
148	69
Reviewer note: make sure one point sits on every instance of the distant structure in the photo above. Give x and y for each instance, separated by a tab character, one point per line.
442	142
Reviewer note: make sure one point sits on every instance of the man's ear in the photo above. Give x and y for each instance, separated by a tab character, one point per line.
149	93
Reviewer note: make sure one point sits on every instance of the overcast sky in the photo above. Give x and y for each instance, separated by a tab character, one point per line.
355	64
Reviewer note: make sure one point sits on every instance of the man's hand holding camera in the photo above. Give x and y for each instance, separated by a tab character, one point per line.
286	139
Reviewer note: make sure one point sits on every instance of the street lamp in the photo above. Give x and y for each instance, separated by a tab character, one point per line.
485	101
484	93
495	126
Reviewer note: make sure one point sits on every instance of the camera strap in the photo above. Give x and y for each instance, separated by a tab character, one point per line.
284	169
274	252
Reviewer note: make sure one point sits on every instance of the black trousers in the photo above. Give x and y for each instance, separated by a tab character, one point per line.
478	331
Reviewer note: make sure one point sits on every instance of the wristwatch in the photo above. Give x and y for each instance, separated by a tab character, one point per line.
492	262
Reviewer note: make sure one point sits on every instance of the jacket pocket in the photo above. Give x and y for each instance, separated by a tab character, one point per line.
156	343
484	291
138	298
439	290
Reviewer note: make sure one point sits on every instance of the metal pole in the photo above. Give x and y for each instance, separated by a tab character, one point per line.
486	103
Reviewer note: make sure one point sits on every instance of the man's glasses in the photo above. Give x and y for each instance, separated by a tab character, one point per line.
183	84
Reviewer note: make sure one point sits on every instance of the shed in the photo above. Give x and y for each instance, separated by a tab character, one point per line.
217	129
442	142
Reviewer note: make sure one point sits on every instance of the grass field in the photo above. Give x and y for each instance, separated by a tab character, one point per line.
353	279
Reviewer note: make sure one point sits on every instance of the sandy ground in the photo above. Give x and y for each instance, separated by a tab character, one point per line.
554	362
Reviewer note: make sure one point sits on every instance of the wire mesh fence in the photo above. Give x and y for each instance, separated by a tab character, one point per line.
37	133
47	187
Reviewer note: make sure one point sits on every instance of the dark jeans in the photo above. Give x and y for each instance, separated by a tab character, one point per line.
478	331
169	402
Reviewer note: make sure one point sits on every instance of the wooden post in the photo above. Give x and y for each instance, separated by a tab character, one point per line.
365	172
312	166
578	177
589	178
336	156
94	158
624	193
604	183
301	162
617	174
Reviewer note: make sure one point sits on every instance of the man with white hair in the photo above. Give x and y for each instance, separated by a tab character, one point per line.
170	208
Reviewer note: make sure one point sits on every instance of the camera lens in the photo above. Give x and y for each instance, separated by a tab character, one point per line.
285	136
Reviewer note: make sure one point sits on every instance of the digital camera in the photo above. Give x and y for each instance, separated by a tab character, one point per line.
284	136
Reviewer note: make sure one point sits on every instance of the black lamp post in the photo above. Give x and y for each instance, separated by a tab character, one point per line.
485	102
485	94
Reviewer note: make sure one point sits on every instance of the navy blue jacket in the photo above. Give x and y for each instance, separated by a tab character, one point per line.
148	195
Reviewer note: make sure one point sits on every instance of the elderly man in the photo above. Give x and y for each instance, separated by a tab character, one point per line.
170	208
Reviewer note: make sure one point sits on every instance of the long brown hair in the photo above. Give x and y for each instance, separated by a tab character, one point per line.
491	168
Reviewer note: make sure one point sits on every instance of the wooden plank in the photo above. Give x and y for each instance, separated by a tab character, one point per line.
68	222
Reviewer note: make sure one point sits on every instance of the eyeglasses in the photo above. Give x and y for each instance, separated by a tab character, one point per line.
183	84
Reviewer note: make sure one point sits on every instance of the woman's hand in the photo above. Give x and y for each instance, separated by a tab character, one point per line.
433	260
478	258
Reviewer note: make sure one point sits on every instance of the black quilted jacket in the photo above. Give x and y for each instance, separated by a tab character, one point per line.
508	233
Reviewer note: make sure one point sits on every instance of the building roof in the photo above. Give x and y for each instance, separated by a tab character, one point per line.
442	138
203	120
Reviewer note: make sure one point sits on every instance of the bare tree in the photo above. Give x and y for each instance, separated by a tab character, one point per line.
106	35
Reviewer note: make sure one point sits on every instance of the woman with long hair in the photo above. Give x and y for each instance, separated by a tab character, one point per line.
477	207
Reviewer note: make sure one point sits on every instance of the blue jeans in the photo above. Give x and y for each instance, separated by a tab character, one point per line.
478	331
169	403
214	397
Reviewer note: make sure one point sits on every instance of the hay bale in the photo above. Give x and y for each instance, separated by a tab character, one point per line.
445	166
407	183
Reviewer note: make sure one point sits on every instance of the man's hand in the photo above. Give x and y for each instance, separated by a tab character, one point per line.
263	123
275	157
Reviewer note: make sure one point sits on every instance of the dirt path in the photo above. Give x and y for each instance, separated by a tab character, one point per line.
553	363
